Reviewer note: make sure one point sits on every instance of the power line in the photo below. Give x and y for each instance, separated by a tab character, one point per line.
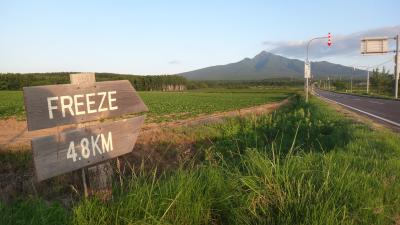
368	67
380	64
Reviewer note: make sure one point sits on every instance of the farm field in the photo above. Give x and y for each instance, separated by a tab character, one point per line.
304	164
11	104
169	106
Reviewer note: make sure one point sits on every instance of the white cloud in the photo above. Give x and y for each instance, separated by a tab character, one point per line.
342	45
174	62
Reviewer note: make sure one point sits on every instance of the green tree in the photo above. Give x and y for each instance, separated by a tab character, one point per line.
381	81
339	85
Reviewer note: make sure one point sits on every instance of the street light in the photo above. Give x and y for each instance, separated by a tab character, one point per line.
307	65
366	68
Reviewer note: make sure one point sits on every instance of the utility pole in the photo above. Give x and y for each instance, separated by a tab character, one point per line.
396	68
351	80
329	84
367	81
366	68
351	84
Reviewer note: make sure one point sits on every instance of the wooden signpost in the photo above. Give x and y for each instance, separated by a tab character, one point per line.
53	105
81	101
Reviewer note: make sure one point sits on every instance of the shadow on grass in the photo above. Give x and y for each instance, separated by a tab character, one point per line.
18	181
297	127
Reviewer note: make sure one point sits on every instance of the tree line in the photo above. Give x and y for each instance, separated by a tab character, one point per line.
16	81
243	84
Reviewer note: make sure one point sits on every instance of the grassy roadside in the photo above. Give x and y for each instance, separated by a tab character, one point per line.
304	164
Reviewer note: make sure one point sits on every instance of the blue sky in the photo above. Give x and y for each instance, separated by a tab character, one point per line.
166	37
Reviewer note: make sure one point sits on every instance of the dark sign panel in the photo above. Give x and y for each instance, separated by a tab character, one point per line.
53	105
72	150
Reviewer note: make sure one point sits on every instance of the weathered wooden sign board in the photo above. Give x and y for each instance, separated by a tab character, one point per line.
53	105
82	100
69	151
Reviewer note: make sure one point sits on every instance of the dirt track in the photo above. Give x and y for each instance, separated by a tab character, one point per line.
14	134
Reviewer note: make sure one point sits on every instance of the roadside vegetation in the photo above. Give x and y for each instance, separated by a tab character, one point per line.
381	85
304	164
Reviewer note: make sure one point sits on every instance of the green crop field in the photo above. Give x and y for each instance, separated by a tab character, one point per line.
11	104
304	164
169	106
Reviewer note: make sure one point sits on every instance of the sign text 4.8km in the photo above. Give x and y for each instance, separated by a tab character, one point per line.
72	150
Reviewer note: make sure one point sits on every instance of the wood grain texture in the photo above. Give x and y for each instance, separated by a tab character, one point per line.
50	152
36	105
82	78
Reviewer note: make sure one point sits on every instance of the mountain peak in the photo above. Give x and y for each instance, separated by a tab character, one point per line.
265	65
263	54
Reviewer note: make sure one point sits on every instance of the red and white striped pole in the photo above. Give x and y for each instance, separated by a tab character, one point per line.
329	40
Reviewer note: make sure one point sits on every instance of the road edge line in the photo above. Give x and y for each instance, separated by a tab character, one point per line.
359	110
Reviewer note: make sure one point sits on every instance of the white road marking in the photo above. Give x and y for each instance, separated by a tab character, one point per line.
359	110
375	102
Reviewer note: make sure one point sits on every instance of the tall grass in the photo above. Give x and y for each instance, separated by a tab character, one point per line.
302	165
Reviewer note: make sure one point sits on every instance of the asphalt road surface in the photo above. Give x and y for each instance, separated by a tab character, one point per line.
381	110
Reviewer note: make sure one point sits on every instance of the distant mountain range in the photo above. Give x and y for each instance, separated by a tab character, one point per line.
266	65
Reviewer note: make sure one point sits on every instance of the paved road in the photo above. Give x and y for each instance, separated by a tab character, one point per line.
382	110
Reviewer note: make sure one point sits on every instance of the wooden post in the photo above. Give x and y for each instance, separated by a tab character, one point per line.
84	183
99	177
